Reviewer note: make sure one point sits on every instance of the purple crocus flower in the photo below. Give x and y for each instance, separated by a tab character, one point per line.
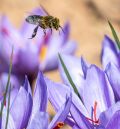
94	88
32	54
110	60
30	112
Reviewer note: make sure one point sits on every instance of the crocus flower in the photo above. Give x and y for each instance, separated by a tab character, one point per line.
30	112
94	88
30	55
110	52
110	61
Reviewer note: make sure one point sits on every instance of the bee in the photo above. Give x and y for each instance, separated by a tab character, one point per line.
44	22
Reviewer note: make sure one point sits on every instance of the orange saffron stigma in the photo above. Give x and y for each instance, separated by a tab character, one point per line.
59	125
95	109
95	121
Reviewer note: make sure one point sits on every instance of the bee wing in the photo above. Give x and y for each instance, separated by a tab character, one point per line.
34	19
37	11
44	10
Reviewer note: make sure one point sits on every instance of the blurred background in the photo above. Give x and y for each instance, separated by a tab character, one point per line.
88	20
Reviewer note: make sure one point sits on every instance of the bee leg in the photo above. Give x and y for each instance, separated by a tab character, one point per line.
44	32
34	32
62	29
59	32
51	30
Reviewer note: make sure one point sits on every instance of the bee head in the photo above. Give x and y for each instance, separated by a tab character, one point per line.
29	19
56	23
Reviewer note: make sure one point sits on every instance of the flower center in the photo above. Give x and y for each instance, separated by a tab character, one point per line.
59	125
93	118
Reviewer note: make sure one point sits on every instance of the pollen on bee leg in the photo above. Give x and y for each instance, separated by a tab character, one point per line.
59	125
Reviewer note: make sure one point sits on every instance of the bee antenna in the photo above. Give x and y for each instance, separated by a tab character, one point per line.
62	29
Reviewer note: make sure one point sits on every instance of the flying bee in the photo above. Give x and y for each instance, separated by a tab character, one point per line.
45	22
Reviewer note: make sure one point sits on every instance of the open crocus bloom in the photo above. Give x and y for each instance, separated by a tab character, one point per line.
30	55
30	112
95	90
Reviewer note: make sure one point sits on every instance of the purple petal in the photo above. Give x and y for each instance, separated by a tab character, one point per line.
57	44
9	34
27	86
109	52
97	89
3	81
40	121
22	51
75	67
51	61
11	124
66	32
76	127
114	123
21	108
40	95
69	48
13	94
61	114
79	118
70	122
25	61
113	74
107	115
4	22
57	95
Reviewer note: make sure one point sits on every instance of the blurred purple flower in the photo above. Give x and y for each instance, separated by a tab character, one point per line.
96	89
31	55
30	112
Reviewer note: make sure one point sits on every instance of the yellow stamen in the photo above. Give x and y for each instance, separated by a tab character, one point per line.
59	125
43	53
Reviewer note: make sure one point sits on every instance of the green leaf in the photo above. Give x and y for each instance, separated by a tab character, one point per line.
114	34
8	109
69	77
8	82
